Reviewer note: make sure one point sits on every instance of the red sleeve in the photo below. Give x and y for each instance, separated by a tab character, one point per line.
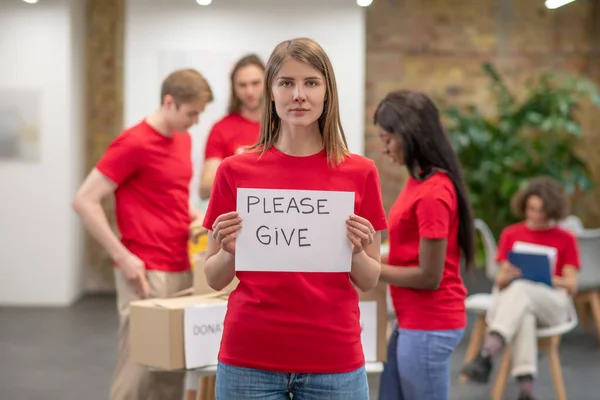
121	158
434	212
215	145
223	197
571	256
371	206
504	246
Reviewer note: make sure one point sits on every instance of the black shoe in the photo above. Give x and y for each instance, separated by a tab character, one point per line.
525	396
479	369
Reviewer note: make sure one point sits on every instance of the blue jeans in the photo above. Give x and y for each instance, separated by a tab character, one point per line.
236	383
418	365
389	383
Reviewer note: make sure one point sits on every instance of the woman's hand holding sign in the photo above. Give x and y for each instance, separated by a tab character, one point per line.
366	243
219	266
360	232
225	230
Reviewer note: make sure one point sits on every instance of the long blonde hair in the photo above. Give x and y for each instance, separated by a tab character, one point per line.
309	52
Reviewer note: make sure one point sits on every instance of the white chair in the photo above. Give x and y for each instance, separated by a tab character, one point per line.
587	298
548	340
572	223
480	303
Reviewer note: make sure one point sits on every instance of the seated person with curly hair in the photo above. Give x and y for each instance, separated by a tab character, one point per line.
520	305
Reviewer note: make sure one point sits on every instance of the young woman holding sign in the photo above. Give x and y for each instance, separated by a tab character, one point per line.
430	225
295	332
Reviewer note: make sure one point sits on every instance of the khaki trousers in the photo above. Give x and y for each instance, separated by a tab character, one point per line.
516	313
132	381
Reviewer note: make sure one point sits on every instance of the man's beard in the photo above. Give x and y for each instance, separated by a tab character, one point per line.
253	108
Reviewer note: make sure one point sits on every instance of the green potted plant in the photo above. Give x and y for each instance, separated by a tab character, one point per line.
527	136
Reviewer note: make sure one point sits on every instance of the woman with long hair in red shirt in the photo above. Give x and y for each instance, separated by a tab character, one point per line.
295	333
430	229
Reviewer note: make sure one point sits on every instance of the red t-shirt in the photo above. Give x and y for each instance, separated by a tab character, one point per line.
231	135
562	240
294	322
152	200
427	209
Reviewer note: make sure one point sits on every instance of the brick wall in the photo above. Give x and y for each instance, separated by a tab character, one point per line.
437	46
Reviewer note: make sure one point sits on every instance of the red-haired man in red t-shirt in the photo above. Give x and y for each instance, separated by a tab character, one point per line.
148	167
241	126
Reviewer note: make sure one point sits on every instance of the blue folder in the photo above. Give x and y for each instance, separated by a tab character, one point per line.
534	267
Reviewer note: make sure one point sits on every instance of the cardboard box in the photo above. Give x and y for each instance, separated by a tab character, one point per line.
177	333
185	332
373	321
201	285
372	304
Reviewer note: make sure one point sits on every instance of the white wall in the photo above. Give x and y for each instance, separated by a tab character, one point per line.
165	35
41	48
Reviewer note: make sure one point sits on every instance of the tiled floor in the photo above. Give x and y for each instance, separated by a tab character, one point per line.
68	354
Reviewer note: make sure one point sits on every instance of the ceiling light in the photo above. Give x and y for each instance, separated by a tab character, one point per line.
553	4
30	1
204	2
364	3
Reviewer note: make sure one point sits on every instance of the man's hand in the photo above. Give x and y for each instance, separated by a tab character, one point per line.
134	271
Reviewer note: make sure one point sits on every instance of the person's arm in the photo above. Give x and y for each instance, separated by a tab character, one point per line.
366	263
207	177
88	204
121	160
571	265
428	275
223	224
219	266
364	231
569	279
506	274
506	271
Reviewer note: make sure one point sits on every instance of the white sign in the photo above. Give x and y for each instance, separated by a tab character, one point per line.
368	326
293	230
203	330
